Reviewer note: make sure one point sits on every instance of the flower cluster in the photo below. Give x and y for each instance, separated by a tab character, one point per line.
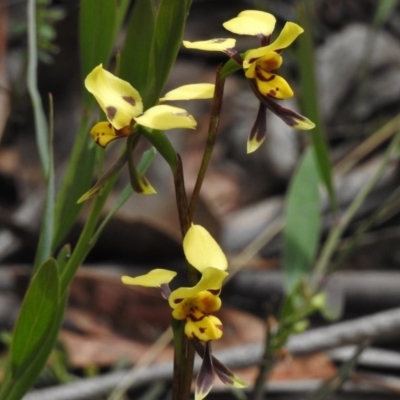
259	67
196	305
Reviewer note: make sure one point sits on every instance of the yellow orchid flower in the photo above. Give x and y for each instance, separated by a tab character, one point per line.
195	304
123	107
259	66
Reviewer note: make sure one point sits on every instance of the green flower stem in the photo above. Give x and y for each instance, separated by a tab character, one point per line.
336	233
211	137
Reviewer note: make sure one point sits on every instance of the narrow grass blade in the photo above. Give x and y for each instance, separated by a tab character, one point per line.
139	42
309	100
44	247
41	128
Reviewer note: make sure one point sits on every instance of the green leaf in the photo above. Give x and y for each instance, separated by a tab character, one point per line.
41	128
139	43
161	142
170	24
310	101
63	256
229	68
14	389
303	221
44	247
38	312
100	22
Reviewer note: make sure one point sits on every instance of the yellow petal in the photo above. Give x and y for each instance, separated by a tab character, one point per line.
303	124
287	36
155	278
211	279
221	44
204	302
166	117
202	251
117	98
252	22
272	85
190	92
103	133
206	329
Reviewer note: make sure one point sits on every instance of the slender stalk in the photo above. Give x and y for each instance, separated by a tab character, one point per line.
184	351
212	134
265	367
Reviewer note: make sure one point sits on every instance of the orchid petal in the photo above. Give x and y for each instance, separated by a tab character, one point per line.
211	280
205	378
252	22
202	251
287	36
207	328
164	117
191	92
116	97
103	133
258	131
154	278
211	45
272	85
289	117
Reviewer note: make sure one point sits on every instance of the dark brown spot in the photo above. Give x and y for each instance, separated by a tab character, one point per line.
272	93
129	100
260	77
215	292
202	330
177	301
194	319
111	111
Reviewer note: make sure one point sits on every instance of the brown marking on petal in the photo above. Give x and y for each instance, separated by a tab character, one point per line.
272	93
215	292
264	39
220	327
177	301
259	129
202	330
235	56
260	77
194	319
111	111
129	100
